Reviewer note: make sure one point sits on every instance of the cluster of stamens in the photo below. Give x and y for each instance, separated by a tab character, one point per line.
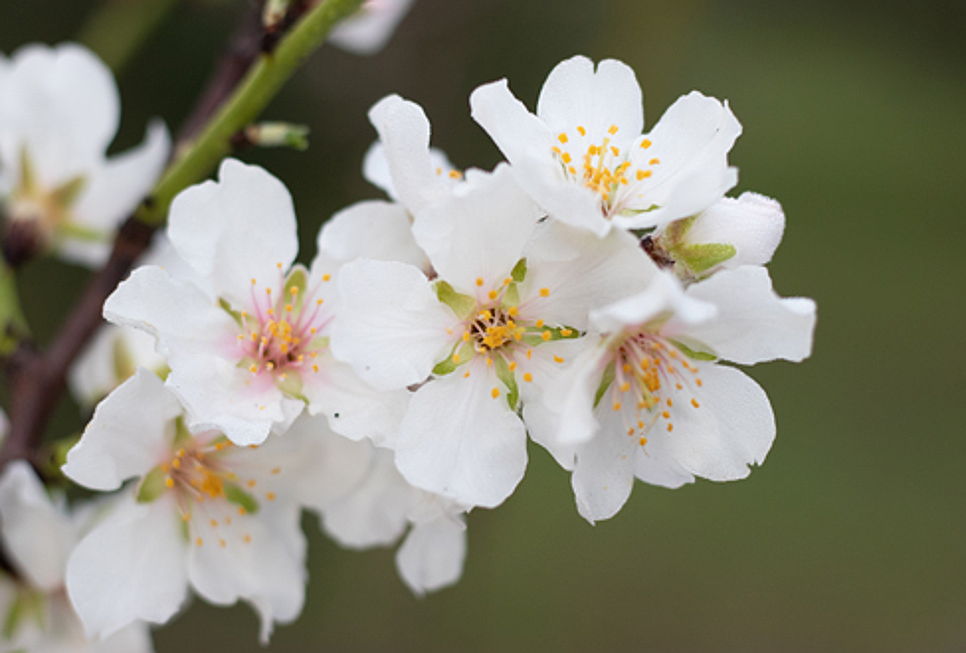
646	368
603	167
281	334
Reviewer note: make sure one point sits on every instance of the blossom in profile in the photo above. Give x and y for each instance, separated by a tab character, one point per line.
59	111
652	399
584	159
367	31
245	330
483	335
202	512
37	533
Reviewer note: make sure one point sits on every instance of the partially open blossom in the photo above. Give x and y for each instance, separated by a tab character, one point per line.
583	158
490	329
59	111
651	400
732	232
37	534
204	512
369	29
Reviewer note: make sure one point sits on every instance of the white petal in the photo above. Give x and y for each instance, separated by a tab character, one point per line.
478	234
370	28
235	230
432	555
37	536
391	327
404	132
128	435
374	512
61	104
112	354
691	140
516	131
733	426
130	567
752	223
663	296
654	464
459	441
604	473
753	323
603	271
112	192
576	94
268	571
372	229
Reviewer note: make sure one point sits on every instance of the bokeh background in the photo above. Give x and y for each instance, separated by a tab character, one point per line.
852	535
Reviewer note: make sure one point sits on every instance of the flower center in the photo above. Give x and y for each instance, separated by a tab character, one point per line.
649	372
603	167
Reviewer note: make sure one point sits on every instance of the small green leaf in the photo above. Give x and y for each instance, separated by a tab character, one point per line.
703	257
461	305
519	271
240	498
606	379
152	485
509	379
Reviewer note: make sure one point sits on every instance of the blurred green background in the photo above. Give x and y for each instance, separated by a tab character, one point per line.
852	536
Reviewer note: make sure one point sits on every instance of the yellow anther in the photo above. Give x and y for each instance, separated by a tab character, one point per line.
546	335
654	162
492	294
455	174
615	150
326	277
562	137
241	511
544	292
616	407
612	130
625	386
270	496
222	543
572	170
495	392
556	150
512	366
276	470
538	323
479	281
670	402
199	541
319	302
251	483
278	265
254	282
214	523
646	143
665	414
466	374
581	130
293	290
456	357
288	308
176	463
513	311
168	482
694	402
699	382
558	359
643	174
566	333
528	377
643	441
566	157
247	538
670	427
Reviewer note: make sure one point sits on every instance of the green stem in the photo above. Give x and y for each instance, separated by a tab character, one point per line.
255	91
117	28
13	324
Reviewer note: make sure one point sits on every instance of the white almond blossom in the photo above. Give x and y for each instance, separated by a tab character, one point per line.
245	334
509	295
733	232
37	534
651	401
583	158
203	512
59	111
369	29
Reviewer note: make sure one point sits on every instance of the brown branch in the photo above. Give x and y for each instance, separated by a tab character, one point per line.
36	379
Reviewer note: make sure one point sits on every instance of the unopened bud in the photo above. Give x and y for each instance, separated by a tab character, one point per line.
278	134
274	13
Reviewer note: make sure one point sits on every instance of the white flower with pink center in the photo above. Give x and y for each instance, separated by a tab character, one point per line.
503	313
584	160
204	512
244	330
650	399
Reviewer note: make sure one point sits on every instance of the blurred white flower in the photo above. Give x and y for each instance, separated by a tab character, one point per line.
59	110
369	29
37	534
583	159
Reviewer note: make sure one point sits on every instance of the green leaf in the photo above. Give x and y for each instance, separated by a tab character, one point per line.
152	485
509	379
519	271
606	379
461	305
703	257
234	494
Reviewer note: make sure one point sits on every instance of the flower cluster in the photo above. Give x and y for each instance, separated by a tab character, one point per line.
591	293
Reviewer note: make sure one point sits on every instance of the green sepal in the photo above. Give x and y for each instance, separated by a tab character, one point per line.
509	379
702	257
652	207
181	433
152	485
28	176
291	386
28	603
519	271
68	192
534	337
225	306
297	278
75	231
694	354
606	379
234	494
462	305
463	352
